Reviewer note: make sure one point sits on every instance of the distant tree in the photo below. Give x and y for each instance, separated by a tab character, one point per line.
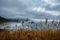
16	25
46	21
27	19
59	23
52	21
22	23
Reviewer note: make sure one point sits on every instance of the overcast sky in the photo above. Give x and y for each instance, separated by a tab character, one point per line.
29	8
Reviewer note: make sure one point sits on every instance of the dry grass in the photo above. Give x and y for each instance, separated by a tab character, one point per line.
30	35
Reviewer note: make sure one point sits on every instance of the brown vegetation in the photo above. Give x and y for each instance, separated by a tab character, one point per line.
29	35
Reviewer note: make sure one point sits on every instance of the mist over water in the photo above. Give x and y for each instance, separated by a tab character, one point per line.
31	25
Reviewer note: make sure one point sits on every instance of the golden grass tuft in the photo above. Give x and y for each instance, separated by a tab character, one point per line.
30	35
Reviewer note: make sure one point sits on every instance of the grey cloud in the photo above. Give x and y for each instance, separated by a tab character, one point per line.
53	8
21	8
7	7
